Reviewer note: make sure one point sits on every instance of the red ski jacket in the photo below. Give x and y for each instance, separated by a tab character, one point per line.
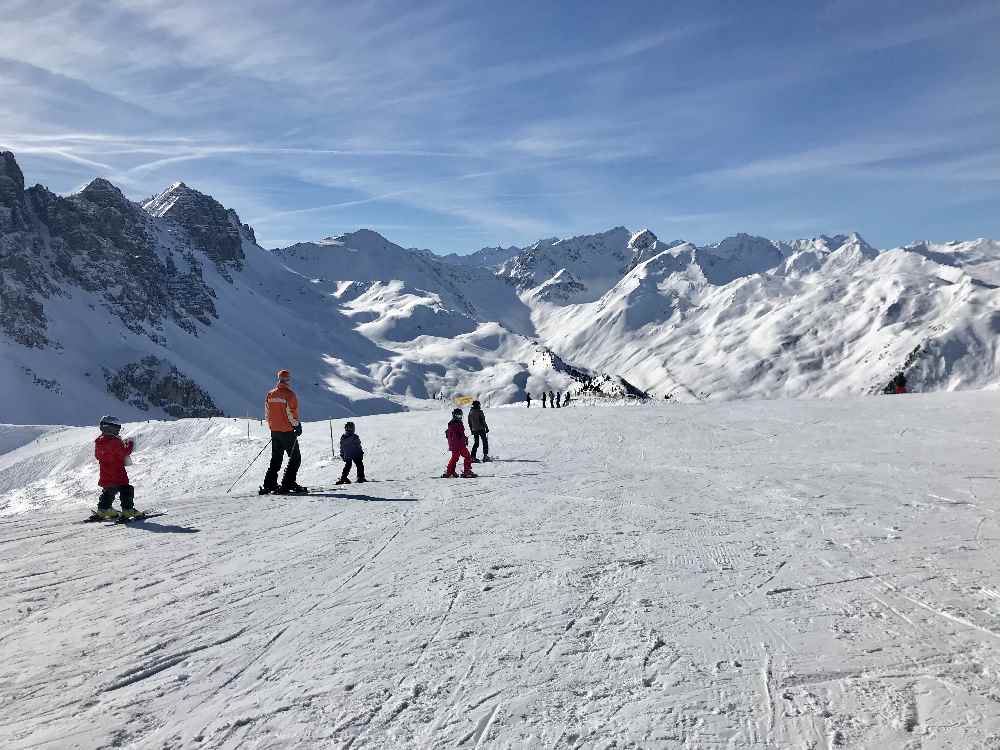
456	435
111	452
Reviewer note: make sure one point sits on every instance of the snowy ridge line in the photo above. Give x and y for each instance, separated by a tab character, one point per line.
369	327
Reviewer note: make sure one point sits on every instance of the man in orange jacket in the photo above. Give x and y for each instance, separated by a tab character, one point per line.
282	409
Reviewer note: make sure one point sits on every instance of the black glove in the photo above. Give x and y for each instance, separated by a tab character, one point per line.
297	430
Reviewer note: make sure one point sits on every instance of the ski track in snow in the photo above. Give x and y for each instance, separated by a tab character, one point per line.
744	575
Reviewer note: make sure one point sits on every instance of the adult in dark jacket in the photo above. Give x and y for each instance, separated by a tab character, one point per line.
545	399
352	453
479	430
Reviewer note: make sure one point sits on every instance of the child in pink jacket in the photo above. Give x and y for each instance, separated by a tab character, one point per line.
458	444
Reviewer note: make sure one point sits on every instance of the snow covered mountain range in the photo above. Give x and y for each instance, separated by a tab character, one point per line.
171	308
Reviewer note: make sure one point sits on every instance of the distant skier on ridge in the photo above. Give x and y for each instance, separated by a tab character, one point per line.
282	409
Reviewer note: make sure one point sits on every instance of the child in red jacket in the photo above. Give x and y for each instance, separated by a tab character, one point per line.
112	454
458	444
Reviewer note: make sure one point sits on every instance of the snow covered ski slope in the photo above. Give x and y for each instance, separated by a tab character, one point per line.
738	575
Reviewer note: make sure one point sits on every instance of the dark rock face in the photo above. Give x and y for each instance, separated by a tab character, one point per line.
22	278
103	243
560	288
215	230
642	240
11	182
152	382
594	384
545	258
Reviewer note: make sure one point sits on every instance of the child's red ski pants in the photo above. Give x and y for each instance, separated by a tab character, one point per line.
455	455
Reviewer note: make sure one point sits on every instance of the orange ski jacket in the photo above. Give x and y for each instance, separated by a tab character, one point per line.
282	409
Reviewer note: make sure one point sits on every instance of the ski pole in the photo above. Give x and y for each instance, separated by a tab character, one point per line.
248	467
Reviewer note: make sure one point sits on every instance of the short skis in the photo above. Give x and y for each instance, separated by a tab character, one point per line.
280	491
95	518
140	517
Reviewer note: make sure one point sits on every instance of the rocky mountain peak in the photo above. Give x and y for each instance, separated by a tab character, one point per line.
858	240
362	239
11	180
103	193
165	202
216	230
642	240
742	244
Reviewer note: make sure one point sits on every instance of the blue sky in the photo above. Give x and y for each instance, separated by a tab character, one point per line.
457	125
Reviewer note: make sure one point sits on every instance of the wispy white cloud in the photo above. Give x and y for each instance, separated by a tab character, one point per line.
447	196
692	218
389	110
58	153
520	71
829	159
910	23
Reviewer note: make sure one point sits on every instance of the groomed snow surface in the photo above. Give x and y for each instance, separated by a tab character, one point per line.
806	574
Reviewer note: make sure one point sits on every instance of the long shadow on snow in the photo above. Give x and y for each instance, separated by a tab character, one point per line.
159	528
366	498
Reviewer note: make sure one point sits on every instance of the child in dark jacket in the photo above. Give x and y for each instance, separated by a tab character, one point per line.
458	444
352	453
112	453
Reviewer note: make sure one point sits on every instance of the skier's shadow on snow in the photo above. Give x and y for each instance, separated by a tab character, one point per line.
162	528
365	498
515	461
